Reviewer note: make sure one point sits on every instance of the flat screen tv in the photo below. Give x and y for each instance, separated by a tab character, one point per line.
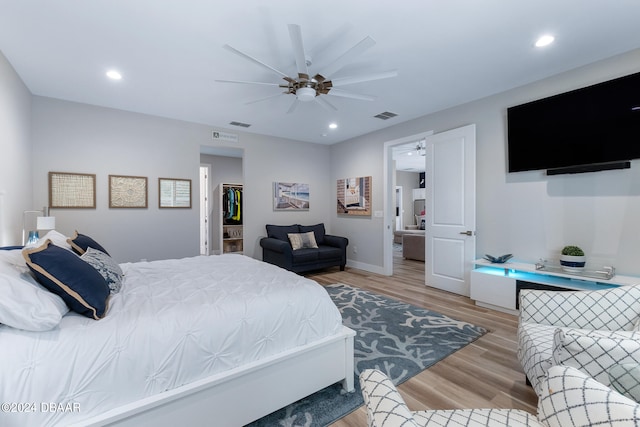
579	131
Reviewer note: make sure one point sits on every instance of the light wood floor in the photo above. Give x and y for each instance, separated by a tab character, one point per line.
484	374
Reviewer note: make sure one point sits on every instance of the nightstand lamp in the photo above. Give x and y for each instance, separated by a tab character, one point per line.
43	222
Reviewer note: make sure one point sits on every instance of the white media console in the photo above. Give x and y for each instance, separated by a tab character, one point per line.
497	286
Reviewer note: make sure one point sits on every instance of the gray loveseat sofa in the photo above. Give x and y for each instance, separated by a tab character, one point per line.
277	249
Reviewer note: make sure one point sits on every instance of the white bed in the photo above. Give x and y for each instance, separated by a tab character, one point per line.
225	338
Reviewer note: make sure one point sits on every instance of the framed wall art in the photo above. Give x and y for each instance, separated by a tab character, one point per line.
128	191
354	196
290	196
174	193
72	190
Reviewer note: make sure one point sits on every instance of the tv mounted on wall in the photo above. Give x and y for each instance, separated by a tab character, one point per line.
585	130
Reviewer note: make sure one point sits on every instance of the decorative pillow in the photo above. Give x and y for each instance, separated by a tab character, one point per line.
572	398
318	231
62	272
595	352
302	240
106	266
80	242
625	379
25	304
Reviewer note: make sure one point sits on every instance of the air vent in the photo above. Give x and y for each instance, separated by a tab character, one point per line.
385	116
240	124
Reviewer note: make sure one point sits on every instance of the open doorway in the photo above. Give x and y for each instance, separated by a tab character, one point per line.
223	165
404	167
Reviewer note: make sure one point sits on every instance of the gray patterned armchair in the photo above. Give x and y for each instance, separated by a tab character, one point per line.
590	330
571	398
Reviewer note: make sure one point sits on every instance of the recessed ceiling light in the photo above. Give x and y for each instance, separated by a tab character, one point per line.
545	40
333	126
114	75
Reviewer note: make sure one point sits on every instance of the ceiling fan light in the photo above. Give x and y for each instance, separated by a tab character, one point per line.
305	94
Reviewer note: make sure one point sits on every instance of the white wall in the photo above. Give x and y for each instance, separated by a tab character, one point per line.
72	137
15	154
527	214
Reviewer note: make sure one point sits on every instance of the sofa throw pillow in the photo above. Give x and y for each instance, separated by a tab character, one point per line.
318	231
62	272
302	240
572	398
106	266
595	352
80	242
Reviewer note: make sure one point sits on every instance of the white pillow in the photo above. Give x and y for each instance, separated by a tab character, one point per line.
572	398
14	258
56	238
595	352
24	304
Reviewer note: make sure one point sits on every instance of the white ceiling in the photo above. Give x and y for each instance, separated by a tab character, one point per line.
171	52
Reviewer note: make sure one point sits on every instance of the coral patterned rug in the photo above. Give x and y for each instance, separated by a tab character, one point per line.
398	338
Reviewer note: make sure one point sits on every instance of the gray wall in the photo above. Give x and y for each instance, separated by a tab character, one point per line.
527	214
71	137
16	152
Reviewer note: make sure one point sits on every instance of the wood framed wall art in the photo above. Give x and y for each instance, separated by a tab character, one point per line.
128	191
174	193
354	196
72	190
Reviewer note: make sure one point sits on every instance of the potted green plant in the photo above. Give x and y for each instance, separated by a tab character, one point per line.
572	258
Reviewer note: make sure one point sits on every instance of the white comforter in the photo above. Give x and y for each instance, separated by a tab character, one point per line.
175	321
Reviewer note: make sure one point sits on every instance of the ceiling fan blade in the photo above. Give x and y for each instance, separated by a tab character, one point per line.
255	61
298	50
265	99
249	83
349	55
293	106
326	104
363	78
344	94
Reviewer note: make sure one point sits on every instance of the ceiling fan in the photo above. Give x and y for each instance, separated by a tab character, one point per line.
308	88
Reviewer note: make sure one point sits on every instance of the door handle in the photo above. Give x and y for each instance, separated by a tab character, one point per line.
468	232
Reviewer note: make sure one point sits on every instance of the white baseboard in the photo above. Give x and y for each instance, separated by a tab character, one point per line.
366	267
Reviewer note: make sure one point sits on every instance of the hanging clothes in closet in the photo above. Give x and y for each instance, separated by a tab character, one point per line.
232	205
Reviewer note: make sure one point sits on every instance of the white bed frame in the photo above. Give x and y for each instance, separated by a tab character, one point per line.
246	393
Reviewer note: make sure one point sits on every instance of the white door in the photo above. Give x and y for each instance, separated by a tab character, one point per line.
450	209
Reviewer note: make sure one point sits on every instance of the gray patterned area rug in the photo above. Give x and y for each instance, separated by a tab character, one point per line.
398	338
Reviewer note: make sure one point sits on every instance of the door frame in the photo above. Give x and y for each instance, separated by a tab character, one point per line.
205	208
389	190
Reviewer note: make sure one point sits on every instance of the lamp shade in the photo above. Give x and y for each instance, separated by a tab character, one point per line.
46	223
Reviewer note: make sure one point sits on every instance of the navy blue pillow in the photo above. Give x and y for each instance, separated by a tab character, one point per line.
318	231
62	272
80	242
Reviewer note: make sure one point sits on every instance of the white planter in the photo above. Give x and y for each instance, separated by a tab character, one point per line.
572	263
